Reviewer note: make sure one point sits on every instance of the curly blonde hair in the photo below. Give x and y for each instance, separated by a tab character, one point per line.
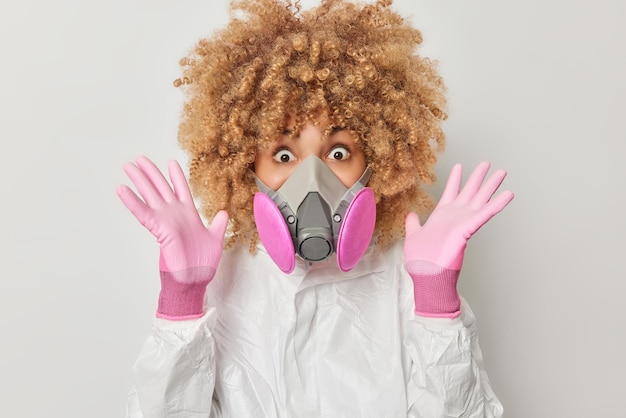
355	61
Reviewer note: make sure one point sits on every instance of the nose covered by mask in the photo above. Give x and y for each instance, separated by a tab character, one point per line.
314	215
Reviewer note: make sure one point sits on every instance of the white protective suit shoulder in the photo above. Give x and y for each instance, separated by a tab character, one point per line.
315	343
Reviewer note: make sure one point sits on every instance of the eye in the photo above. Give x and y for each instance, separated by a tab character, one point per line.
283	156
339	153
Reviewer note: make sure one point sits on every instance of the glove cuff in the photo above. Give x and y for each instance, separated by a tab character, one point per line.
434	289
182	293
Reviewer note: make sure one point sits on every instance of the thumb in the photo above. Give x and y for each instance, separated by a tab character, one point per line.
412	223
219	223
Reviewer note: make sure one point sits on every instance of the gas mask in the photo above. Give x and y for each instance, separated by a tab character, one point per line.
314	215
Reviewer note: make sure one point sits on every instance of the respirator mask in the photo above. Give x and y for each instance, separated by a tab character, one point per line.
314	215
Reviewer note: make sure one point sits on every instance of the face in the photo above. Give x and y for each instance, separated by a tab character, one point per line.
338	150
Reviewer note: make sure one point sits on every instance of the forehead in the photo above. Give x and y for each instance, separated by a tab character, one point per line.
292	123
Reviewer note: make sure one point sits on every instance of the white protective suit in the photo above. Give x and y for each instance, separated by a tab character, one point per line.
315	343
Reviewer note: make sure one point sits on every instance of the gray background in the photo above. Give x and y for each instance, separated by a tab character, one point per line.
535	87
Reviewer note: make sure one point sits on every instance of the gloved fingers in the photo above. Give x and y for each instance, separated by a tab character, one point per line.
453	185
495	205
472	185
155	176
488	211
412	223
144	186
488	188
181	187
134	204
219	224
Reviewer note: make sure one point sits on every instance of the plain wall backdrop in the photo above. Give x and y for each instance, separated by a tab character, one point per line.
536	87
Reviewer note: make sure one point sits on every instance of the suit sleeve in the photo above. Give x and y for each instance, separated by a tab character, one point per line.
175	372
447	377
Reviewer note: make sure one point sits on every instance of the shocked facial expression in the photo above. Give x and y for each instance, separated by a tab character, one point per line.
274	164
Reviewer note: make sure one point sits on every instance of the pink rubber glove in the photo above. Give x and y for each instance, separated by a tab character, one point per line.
433	252
189	252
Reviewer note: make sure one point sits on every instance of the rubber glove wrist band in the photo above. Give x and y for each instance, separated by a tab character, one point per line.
434	289
182	293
